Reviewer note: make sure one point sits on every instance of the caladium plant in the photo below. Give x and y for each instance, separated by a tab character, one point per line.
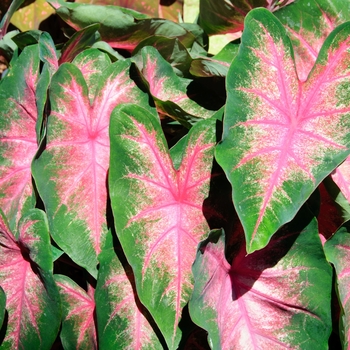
153	196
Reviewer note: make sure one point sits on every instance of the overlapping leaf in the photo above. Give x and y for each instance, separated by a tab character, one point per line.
168	90
78	42
124	323
158	210
18	139
308	23
78	322
26	276
337	251
121	27
31	16
71	173
227	16
281	136
341	176
276	298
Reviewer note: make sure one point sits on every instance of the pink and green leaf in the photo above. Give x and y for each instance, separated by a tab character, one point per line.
341	176
71	173
91	62
158	210
337	251
227	16
263	300
18	139
308	24
78	42
168	90
281	136
32	299
120	27
123	322
78	322
8	13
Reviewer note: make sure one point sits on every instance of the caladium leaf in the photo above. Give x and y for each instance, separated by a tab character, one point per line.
341	176
337	252
120	27
5	21
123	322
281	137
209	67
168	90
308	24
71	172
26	267
30	16
91	62
2	306
78	307
153	8
158	210
18	139
172	50
227	16
78	42
47	51
289	283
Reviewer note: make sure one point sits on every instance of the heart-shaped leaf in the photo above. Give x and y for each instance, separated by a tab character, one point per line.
263	300
282	137
123	322
78	322
26	276
18	139
158	210
71	173
337	251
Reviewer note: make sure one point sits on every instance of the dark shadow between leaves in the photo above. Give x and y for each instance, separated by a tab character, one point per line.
193	336
246	269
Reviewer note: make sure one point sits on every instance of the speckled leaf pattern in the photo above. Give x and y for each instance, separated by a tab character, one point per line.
281	136
71	173
32	299
30	17
158	210
18	139
123	322
78	322
308	23
337	251
278	298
